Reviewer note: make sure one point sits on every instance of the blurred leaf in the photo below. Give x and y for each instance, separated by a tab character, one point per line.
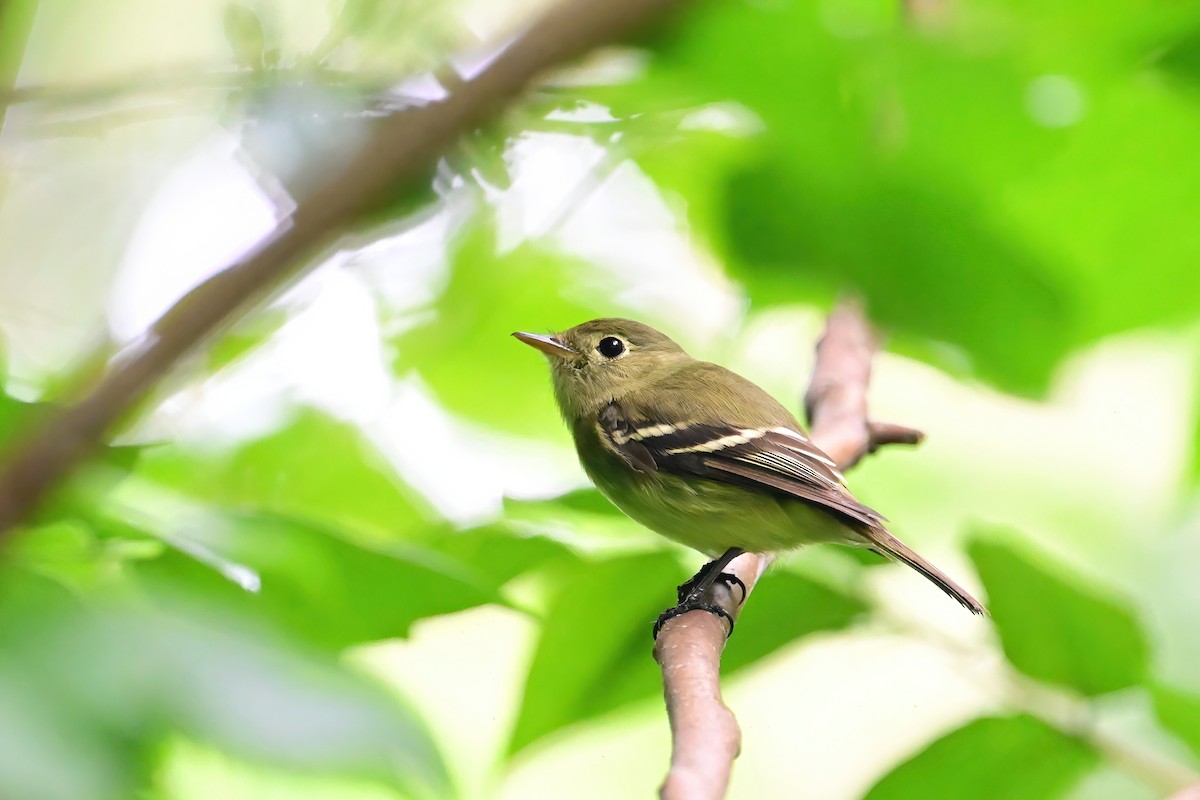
246	336
1195	476
65	551
394	37
1056	626
616	644
191	772
964	181
26	600
1179	712
799	243
1005	758
17	418
587	500
583	518
315	468
201	676
244	33
304	580
499	554
597	631
785	607
465	352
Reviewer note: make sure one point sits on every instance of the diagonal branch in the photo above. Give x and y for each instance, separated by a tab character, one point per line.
396	154
705	734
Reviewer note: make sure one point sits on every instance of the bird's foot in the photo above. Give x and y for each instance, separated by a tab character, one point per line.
695	587
691	594
693	605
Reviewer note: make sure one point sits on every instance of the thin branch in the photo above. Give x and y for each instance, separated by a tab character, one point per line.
705	734
180	78
398	152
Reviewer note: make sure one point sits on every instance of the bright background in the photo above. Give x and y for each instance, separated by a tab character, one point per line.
346	550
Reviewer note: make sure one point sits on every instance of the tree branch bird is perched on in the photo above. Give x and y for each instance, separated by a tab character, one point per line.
703	456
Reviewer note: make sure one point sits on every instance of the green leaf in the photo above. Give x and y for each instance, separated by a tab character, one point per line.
315	468
587	500
785	607
1195	476
306	580
920	172
465	353
597	631
1179	712
244	33
583	518
1056	626
616	644
798	241
188	771
1005	758
199	675
499	554
18	418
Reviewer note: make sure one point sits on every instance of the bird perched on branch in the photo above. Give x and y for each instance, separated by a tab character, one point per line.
703	456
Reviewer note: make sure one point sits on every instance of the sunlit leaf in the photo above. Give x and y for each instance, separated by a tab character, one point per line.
189	771
1057	626
1179	712
594	654
597	631
583	518
955	179
586	501
465	352
498	554
315	468
1007	758
244	33
309	581
112	677
784	608
800	243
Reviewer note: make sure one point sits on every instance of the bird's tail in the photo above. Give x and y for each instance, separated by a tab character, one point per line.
885	544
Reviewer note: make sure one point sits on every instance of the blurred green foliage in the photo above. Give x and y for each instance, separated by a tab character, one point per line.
1003	184
1014	757
1058	628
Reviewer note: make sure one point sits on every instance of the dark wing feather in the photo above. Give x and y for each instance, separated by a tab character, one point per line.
777	459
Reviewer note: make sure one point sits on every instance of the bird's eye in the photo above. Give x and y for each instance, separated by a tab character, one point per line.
611	347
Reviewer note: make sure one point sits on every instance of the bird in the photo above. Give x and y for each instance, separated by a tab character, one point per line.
704	457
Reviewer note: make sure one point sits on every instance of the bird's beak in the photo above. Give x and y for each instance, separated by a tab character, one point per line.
547	344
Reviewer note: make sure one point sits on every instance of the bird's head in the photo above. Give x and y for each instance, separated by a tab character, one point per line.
597	362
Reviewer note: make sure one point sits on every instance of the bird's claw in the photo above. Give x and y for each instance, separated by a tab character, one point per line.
685	591
693	605
691	594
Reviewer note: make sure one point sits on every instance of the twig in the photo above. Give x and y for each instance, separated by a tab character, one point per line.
179	78
705	734
394	156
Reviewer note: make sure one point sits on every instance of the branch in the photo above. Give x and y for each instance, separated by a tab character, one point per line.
398	152
705	734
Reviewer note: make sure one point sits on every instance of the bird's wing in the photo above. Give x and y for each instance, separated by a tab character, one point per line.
778	458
